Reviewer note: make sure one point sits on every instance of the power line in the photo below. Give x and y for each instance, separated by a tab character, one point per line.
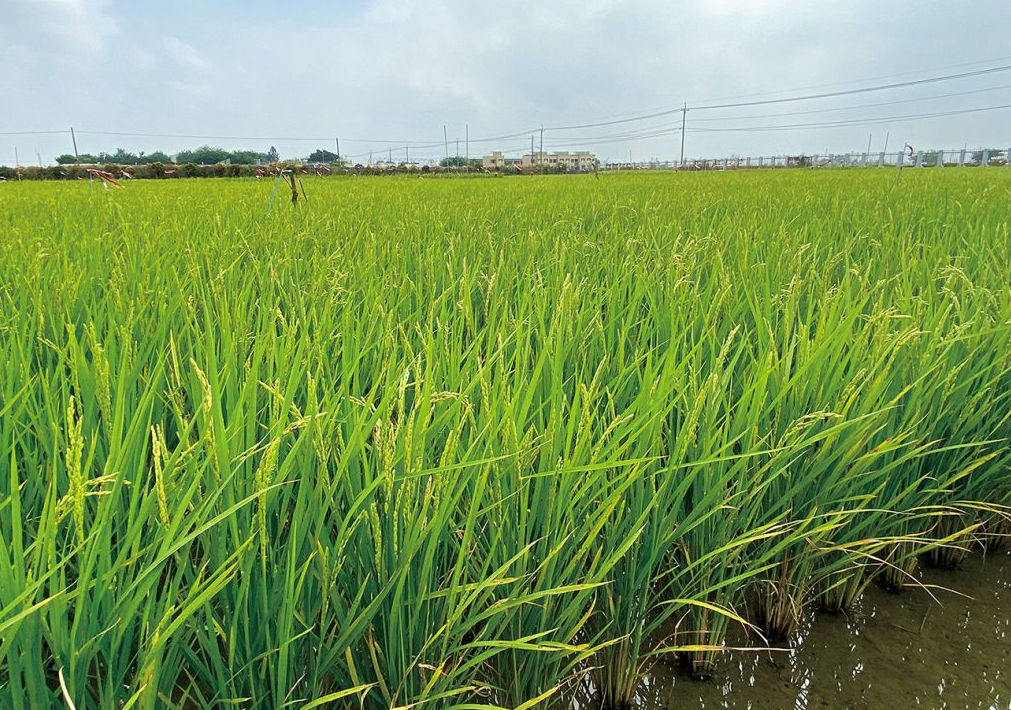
668	108
920	99
858	81
858	121
414	145
648	130
864	90
645	132
33	133
791	127
790	99
247	138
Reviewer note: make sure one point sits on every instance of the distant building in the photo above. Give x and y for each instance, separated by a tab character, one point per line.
497	161
580	160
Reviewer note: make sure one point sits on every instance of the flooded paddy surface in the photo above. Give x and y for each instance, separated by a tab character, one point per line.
891	651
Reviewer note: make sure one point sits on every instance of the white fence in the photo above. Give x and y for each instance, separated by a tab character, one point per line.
960	157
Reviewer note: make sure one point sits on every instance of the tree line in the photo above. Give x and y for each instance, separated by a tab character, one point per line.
204	155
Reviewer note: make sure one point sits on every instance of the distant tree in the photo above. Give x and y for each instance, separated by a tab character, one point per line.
204	155
86	158
322	156
246	157
458	161
122	157
157	157
272	155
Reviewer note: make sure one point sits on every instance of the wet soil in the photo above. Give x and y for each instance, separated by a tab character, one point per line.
891	651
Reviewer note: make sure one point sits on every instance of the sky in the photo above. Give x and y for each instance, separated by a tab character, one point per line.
384	74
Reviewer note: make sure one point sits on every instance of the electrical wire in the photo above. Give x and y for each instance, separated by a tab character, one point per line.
622	138
859	81
648	131
677	109
878	104
864	90
34	133
859	121
790	99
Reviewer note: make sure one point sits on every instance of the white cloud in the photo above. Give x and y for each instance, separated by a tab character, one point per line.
401	69
185	55
75	25
139	58
772	9
389	11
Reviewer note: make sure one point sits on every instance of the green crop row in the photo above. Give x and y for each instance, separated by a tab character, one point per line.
465	444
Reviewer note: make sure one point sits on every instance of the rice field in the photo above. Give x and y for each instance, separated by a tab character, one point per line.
470	443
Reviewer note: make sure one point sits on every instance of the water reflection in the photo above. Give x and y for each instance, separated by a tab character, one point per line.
891	651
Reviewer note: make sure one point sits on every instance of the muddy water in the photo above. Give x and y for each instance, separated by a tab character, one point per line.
892	651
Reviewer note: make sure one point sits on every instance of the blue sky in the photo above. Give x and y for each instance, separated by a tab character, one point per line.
382	73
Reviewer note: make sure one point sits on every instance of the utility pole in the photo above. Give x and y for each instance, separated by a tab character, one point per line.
458	151
445	139
39	156
391	155
885	151
684	115
869	138
77	158
17	164
466	129
531	150
540	157
338	144
407	154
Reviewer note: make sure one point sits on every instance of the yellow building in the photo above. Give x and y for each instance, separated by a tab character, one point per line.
579	160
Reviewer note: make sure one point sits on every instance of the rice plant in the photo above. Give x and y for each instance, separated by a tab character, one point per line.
481	443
